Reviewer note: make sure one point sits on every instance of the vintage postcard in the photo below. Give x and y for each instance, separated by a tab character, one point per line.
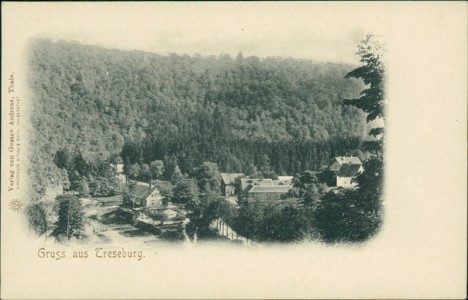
236	150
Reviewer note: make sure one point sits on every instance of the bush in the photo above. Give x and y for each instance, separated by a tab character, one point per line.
346	216
37	218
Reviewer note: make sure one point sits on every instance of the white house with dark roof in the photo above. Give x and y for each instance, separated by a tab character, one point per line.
143	195
341	160
346	169
346	174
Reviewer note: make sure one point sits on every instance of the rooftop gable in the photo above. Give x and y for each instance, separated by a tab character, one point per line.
141	191
246	182
348	160
280	189
349	170
230	178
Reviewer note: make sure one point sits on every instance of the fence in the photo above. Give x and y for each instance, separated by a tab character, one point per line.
225	230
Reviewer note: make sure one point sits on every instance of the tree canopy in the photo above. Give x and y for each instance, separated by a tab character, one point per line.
178	121
70	218
278	116
372	72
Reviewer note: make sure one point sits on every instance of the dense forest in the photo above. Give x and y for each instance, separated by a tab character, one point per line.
274	115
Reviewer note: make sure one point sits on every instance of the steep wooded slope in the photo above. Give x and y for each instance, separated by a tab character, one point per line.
274	114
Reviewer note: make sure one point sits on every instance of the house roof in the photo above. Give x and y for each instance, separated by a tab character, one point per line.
229	178
348	170
246	182
348	160
281	189
283	180
141	191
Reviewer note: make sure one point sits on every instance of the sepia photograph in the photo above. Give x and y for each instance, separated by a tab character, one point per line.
188	148
132	145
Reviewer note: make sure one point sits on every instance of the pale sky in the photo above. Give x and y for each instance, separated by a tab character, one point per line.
302	30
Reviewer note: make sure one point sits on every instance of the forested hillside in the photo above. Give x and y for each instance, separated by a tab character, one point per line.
275	115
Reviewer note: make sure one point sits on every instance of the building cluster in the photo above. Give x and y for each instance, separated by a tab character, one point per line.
149	206
255	189
344	170
144	196
152	211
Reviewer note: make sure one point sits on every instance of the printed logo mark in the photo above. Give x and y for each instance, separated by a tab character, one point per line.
16	205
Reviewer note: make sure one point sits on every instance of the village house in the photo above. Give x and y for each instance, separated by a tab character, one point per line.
143	195
346	168
262	190
228	181
267	193
340	160
346	174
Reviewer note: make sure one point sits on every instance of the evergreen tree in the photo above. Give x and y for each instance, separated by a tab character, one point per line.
372	72
83	188
176	175
355	216
308	189
373	102
70	218
208	178
186	191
